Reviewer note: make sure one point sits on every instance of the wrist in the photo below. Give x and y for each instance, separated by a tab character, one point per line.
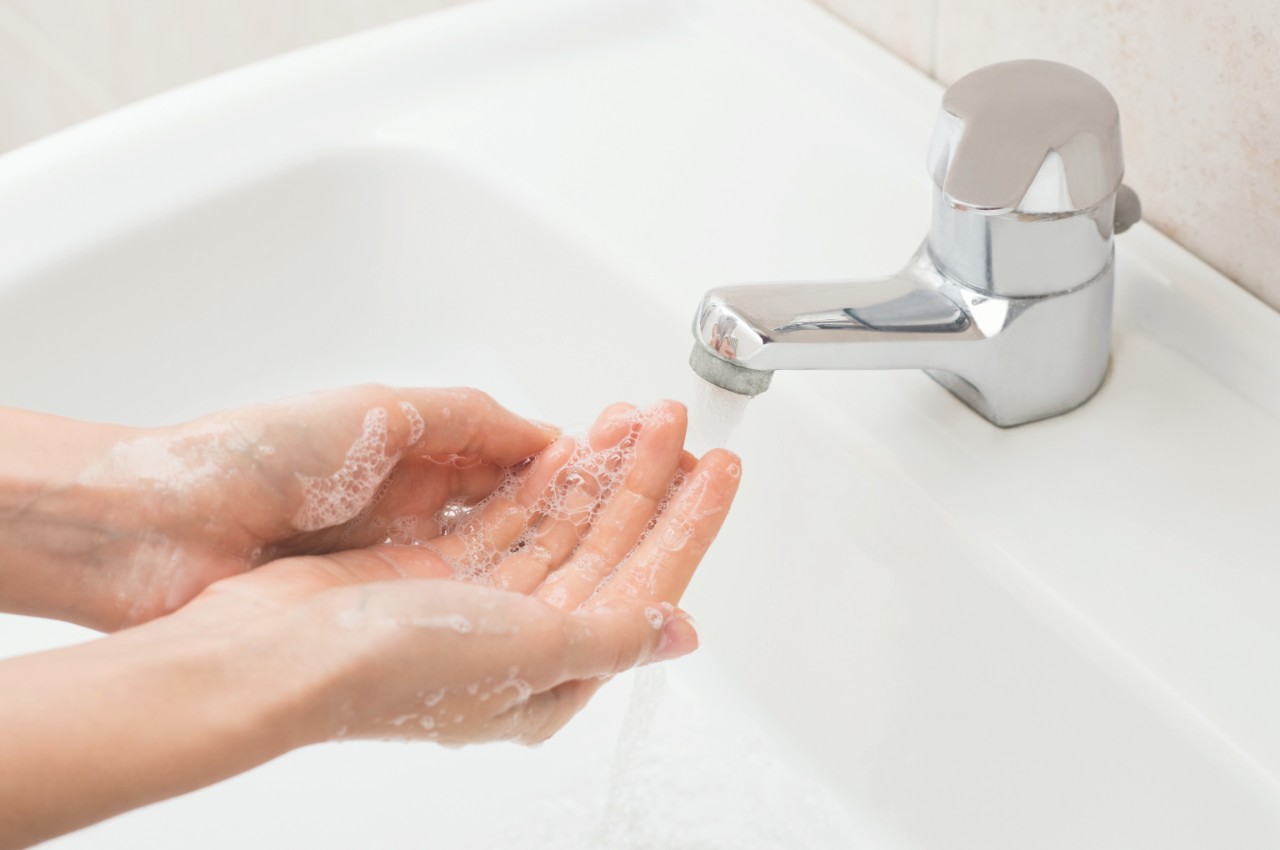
173	711
54	531
244	693
265	682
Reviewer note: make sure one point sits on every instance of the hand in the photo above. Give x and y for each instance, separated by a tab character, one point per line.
169	511
497	623
383	645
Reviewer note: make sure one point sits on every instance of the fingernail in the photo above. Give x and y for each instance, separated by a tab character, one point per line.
679	637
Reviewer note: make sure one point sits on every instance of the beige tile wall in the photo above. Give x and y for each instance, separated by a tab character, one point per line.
1199	90
62	61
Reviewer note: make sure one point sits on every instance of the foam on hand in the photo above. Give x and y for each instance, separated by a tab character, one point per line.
334	499
587	482
175	461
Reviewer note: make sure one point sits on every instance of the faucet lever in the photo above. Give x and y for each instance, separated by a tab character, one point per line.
1027	136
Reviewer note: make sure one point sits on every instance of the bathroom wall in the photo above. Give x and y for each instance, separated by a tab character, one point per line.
1199	90
62	61
1198	83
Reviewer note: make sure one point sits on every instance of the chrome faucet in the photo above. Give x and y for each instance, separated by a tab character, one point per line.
1008	302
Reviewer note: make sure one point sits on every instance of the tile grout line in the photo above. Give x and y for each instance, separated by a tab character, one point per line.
935	38
55	60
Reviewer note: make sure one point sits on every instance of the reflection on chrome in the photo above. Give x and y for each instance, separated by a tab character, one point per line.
1008	301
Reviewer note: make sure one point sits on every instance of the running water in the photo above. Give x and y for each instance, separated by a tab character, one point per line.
619	829
690	770
714	414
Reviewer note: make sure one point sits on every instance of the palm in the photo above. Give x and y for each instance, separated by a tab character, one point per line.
590	540
556	526
320	474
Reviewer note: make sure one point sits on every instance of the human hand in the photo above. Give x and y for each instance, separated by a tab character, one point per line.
497	620
175	509
380	645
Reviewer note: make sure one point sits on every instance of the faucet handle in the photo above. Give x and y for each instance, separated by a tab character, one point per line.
1027	136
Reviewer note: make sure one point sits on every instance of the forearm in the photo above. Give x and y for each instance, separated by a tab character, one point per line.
93	730
55	530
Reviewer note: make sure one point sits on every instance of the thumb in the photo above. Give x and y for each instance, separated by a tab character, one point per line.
608	641
470	423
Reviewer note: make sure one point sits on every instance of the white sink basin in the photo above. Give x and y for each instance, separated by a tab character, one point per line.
919	630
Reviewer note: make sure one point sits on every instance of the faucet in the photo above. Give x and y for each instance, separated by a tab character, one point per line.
1007	303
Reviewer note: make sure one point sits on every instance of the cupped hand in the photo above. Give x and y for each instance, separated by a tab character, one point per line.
574	572
195	503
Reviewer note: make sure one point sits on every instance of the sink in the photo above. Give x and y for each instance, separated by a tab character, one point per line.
919	630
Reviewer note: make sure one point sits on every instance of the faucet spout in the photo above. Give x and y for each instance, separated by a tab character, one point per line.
905	321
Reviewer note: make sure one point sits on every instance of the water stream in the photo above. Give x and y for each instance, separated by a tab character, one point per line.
714	414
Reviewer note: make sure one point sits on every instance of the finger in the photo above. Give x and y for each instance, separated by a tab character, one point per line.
606	641
679	638
544	714
662	565
468	423
622	522
485	540
611	426
568	517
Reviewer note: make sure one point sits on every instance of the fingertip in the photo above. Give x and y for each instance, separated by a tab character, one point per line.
679	637
611	425
549	432
534	437
558	452
668	418
611	639
724	461
616	409
676	408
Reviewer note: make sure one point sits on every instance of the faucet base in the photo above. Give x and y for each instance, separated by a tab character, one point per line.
968	393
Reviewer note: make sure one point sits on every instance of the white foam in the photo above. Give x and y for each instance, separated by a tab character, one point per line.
177	460
417	425
334	499
585	484
452	622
